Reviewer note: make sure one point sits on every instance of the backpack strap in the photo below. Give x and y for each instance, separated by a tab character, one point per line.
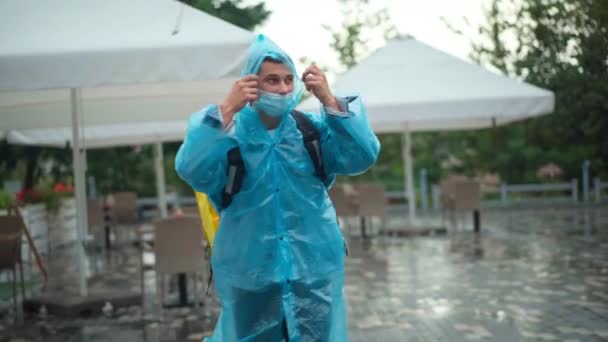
312	143
235	173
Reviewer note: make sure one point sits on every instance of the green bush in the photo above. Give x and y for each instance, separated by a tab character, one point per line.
6	199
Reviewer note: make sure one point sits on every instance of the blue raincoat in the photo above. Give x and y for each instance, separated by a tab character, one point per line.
278	257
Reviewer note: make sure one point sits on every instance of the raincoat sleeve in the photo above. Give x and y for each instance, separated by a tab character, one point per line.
349	145
202	158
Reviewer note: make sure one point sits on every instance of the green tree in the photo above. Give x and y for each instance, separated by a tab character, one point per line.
358	29
561	45
233	11
352	40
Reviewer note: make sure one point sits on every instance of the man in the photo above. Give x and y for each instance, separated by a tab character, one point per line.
278	256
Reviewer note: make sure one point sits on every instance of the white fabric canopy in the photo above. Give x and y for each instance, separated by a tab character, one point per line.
111	115
88	43
64	63
122	53
409	86
100	136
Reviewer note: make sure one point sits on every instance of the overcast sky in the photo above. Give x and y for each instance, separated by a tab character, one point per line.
297	25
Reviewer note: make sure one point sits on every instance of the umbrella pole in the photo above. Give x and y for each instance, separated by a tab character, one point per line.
80	190
409	176
159	169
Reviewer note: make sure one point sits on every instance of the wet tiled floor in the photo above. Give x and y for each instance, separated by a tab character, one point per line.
532	275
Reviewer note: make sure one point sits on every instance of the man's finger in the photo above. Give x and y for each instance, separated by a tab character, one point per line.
314	83
314	86
249	80
250	84
251	97
250	77
311	77
313	69
310	70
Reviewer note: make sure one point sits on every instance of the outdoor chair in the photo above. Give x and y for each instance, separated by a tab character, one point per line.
12	229
95	218
11	232
372	202
124	215
459	195
179	247
344	202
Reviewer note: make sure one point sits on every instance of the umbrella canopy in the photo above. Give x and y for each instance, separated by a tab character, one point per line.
68	62
409	86
134	60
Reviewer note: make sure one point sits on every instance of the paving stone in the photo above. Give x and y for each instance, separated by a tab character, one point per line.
527	277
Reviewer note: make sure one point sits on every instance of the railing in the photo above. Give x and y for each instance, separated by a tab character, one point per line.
598	186
398	196
507	189
572	187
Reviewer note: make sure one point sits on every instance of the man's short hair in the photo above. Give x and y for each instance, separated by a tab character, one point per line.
273	60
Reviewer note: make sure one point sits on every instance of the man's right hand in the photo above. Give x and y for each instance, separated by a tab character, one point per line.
243	91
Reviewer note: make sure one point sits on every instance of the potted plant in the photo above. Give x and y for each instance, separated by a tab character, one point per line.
6	202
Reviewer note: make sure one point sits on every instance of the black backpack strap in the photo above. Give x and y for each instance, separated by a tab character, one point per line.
236	167
210	281
312	143
235	173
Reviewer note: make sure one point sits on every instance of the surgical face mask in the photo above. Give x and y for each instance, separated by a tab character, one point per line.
274	105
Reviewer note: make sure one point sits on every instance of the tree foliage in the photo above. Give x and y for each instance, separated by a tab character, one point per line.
359	28
233	11
561	45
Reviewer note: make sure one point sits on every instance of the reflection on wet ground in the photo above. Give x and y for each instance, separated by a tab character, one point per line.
532	275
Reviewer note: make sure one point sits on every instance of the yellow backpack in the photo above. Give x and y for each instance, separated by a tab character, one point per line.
209	217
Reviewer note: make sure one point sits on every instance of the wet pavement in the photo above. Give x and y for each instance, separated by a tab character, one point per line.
532	275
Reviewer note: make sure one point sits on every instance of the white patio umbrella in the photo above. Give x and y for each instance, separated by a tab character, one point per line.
409	86
67	62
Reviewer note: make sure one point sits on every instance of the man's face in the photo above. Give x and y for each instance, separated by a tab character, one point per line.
275	78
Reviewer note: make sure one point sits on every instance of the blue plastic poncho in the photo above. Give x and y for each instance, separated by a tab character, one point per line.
279	253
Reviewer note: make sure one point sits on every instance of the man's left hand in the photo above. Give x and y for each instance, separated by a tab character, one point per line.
316	82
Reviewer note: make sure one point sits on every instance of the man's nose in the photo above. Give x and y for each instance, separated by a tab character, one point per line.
284	89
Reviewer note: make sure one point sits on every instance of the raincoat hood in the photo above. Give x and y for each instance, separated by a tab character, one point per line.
262	48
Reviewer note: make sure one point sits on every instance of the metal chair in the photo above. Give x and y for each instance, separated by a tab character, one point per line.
124	214
95	218
459	195
179	247
11	232
371	203
344	202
